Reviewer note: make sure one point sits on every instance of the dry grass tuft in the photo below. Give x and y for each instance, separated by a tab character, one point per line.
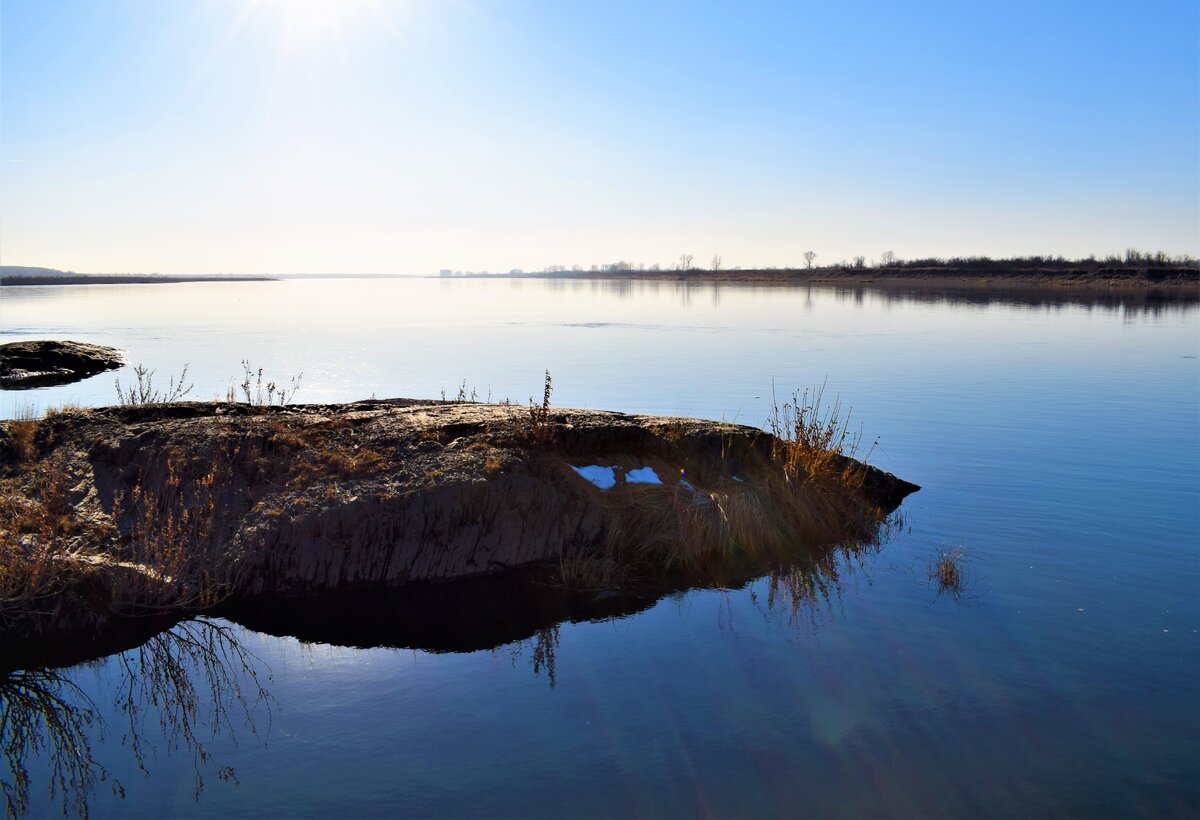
156	548
803	499
492	466
65	409
813	439
539	426
172	538
263	393
40	535
22	432
950	571
704	533
674	430
142	390
317	451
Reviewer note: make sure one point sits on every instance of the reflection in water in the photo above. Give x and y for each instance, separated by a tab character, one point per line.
1133	301
46	715
523	606
522	610
194	680
950	573
192	683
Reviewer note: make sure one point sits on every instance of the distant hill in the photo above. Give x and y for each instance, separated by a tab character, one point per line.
22	271
20	275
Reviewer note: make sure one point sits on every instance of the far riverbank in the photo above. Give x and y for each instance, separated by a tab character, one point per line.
116	279
1181	279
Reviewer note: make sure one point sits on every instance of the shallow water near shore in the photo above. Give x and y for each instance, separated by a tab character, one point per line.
1056	441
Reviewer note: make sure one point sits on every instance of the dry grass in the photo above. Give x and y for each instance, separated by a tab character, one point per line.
317	451
492	465
812	439
802	500
949	570
347	461
704	533
538	426
434	435
172	537
22	432
36	532
142	390
155	549
260	392
159	544
464	395
65	409
674	430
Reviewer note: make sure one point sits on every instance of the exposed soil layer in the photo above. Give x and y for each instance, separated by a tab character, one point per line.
131	512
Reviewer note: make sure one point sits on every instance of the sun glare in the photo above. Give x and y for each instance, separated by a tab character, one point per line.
309	23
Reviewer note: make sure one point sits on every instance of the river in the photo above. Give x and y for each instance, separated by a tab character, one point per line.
1057	441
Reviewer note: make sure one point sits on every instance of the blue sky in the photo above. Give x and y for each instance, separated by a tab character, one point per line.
271	136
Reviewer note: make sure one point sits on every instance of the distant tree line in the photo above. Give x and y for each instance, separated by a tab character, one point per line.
1132	258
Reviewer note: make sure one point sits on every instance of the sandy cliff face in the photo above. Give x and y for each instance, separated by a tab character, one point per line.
203	501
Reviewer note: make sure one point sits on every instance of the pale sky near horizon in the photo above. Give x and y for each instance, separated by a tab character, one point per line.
406	136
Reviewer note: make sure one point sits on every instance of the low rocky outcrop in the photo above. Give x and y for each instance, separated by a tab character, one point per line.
146	510
43	363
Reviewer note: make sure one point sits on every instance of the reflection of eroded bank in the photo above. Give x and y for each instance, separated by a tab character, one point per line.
525	608
191	684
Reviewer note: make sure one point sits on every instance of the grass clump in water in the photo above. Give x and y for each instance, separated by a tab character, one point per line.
950	572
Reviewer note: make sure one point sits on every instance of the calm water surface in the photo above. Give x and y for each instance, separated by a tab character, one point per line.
1057	442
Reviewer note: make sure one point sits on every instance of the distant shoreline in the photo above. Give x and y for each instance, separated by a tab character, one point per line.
1176	279
100	279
